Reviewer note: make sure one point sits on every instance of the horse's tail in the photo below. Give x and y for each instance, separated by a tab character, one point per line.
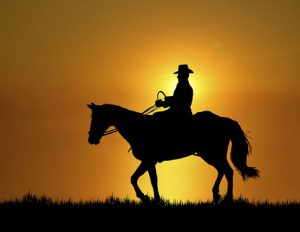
240	149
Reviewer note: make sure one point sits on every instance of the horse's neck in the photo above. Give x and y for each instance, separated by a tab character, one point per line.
127	122
121	116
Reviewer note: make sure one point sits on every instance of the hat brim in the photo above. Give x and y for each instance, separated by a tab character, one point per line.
185	71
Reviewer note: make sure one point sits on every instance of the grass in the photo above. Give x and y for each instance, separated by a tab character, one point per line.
114	213
30	199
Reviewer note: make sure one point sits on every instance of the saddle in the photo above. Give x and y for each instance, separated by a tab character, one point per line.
171	125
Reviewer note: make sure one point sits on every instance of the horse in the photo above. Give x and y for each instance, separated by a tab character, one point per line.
205	135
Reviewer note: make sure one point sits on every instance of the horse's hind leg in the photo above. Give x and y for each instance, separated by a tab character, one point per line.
215	189
229	176
134	179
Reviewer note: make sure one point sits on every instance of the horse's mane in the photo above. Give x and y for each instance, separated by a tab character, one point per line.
121	109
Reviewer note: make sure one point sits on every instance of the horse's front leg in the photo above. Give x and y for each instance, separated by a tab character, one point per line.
134	179
153	179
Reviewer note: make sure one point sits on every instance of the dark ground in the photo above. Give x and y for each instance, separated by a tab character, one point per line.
44	214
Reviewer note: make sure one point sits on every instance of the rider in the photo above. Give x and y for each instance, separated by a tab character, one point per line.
181	101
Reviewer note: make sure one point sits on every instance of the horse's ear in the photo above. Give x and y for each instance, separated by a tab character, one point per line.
92	106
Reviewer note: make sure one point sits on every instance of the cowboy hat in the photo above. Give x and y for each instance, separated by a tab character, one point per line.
183	68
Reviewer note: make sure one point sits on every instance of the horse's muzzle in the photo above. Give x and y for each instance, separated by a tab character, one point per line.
93	141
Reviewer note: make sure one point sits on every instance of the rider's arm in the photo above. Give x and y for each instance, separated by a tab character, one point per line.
168	101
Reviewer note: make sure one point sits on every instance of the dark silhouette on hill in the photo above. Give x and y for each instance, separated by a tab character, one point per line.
204	134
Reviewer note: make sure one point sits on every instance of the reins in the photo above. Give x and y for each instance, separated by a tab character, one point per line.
149	110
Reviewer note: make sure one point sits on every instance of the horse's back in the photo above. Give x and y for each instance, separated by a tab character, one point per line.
175	125
182	129
205	116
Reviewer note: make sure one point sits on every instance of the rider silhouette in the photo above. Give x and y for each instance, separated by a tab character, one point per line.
181	101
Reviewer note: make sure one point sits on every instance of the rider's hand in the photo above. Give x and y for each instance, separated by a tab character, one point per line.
158	103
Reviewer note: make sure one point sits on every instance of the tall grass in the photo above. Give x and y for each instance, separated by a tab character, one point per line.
30	199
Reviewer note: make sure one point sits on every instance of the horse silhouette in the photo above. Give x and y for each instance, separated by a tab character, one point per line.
205	134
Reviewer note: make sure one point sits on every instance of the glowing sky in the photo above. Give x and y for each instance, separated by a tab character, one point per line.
57	56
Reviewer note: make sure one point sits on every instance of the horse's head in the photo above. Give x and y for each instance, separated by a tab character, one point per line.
99	123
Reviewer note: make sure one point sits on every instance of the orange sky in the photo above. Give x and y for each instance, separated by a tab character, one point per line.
57	56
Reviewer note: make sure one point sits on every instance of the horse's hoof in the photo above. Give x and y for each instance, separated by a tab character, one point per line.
157	200
228	199
217	197
145	199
